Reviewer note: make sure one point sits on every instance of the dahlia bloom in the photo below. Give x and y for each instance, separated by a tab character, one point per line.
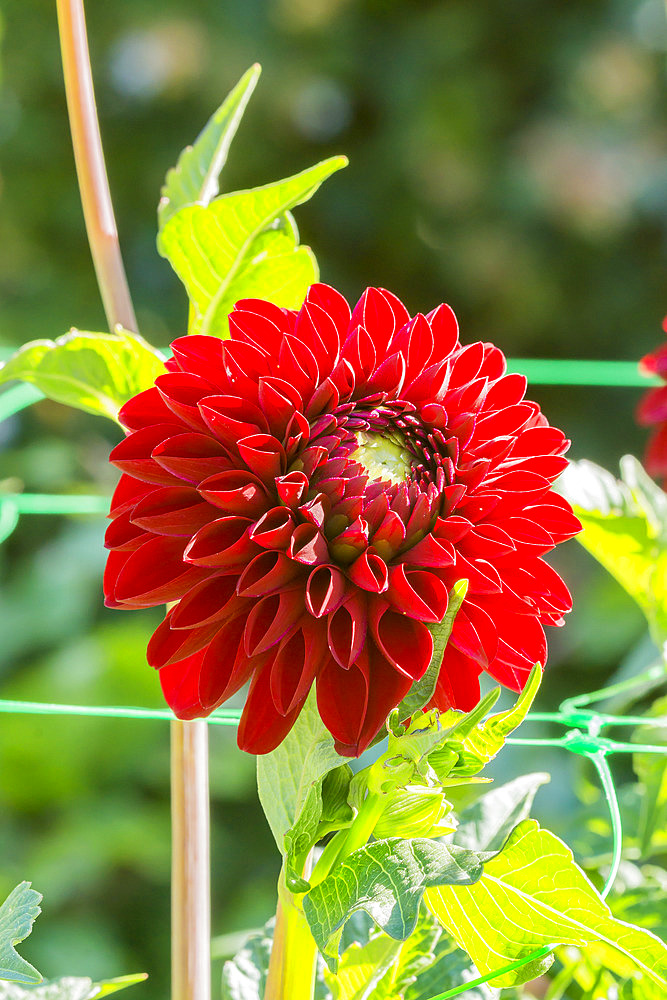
308	492
652	411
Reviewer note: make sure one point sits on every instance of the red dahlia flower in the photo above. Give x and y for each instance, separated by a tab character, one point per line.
652	410
308	492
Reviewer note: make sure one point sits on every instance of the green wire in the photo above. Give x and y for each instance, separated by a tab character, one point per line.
612	374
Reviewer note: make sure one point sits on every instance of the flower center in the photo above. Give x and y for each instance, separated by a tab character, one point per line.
382	457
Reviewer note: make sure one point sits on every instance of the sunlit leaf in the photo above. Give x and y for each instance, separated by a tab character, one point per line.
194	179
95	372
70	988
382	968
625	528
387	879
530	895
17	915
651	770
243	244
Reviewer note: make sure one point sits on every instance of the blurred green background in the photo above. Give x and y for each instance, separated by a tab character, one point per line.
510	159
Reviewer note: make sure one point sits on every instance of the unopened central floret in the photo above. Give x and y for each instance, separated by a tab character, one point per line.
382	457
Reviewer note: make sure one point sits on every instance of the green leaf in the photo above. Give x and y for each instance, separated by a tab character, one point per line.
651	770
449	968
17	915
382	968
625	529
95	372
244	976
422	690
475	741
386	879
530	895
194	179
286	776
243	243
487	823
70	988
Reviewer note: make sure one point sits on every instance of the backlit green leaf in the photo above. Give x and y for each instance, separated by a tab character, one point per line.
387	879
382	968
625	528
651	770
243	244
70	988
530	895
17	915
476	740
95	372
194	179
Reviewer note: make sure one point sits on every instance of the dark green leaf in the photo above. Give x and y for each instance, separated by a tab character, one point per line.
17	915
487	823
387	879
450	968
95	372
194	179
244	976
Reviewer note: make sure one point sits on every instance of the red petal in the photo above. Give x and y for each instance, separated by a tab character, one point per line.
273	619
267	573
325	590
222	544
418	593
403	641
133	455
173	511
458	682
347	630
155	574
370	573
192	457
262	727
206	603
180	686
236	492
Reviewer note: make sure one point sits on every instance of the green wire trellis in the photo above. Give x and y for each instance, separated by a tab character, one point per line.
584	725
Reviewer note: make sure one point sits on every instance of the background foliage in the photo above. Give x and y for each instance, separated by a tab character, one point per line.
510	159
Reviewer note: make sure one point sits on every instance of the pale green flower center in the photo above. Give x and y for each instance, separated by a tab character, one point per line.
383	457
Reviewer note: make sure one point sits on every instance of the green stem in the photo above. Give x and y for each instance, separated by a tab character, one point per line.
292	964
90	167
364	824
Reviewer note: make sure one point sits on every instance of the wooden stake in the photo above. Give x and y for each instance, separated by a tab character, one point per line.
190	867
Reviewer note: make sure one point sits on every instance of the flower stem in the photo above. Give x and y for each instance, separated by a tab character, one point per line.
90	167
292	965
190	869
